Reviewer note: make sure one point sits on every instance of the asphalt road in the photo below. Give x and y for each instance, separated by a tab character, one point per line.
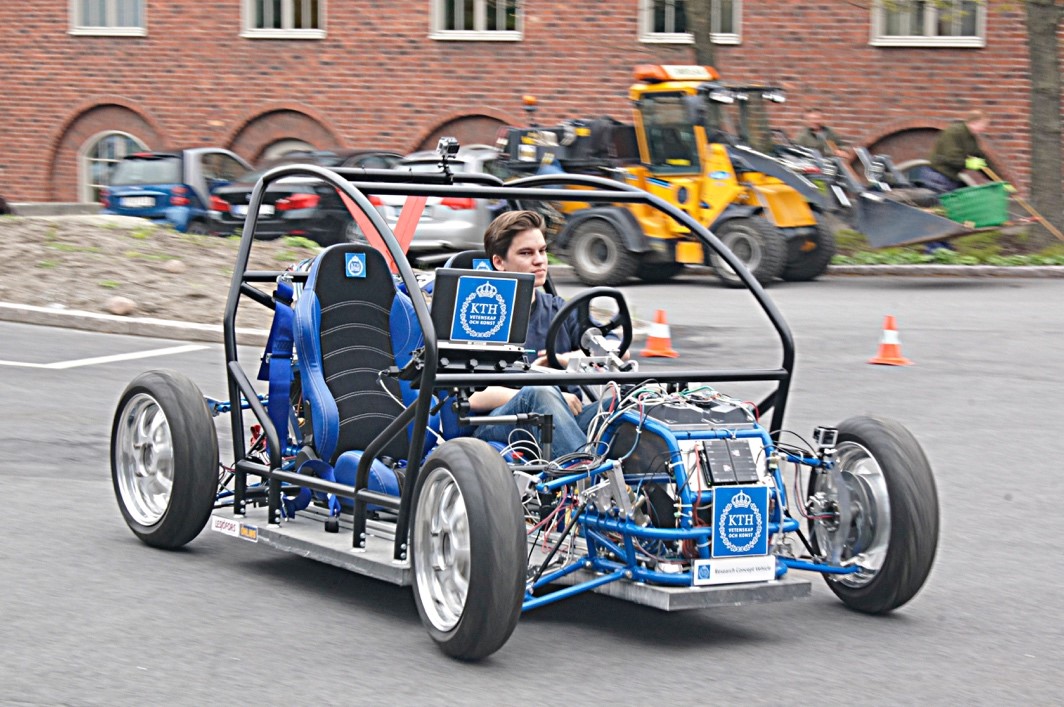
89	615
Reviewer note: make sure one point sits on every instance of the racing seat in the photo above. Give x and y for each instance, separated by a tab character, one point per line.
350	324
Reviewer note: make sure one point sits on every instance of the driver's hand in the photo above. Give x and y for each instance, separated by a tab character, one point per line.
575	405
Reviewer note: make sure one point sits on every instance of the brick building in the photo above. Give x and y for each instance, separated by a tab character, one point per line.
85	81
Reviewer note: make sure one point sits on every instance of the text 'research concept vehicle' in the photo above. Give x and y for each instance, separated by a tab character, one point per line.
351	442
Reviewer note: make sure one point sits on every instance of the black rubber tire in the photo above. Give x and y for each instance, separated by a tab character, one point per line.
497	565
803	266
658	272
762	248
599	255
914	518
198	228
194	449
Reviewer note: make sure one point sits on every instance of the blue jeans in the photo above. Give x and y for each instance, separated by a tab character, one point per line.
570	431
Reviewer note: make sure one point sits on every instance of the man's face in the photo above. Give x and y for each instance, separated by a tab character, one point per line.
527	253
978	126
814	120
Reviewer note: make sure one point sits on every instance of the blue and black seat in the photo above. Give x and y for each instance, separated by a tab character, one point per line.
351	324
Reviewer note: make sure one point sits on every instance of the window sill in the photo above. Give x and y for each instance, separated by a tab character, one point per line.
109	31
933	42
283	34
683	38
474	36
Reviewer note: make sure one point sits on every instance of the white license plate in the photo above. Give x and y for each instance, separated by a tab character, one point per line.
138	202
241	210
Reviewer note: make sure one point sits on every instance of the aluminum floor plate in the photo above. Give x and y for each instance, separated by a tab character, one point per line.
306	537
681	598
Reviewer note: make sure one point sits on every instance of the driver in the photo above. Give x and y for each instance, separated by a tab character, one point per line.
514	241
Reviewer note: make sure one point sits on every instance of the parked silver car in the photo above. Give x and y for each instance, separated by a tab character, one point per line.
448	223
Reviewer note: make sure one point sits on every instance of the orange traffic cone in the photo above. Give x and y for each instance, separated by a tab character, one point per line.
659	341
890	346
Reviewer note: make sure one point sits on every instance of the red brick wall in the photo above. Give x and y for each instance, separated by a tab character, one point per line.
378	81
820	52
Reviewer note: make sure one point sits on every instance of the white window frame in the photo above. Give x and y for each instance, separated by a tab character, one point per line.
930	19
85	182
647	34
78	25
287	31
480	17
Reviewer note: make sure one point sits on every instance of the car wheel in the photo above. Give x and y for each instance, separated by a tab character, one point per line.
468	549
599	256
808	263
164	459
198	228
350	232
757	243
883	515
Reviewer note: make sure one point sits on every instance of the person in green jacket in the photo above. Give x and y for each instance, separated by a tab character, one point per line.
817	136
956	149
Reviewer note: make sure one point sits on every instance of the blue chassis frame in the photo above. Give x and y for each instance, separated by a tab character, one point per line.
594	525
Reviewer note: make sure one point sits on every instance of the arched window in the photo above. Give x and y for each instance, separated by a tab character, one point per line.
285	147
98	158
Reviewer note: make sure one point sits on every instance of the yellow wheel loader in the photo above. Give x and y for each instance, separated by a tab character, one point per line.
761	210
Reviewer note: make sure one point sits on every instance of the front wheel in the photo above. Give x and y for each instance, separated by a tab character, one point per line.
468	549
164	459
757	243
883	517
599	256
810	259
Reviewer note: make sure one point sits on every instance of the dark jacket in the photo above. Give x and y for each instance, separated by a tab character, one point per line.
954	145
825	140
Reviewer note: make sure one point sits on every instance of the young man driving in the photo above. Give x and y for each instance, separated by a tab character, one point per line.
515	243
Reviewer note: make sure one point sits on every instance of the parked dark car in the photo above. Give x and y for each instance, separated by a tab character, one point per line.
171	187
296	206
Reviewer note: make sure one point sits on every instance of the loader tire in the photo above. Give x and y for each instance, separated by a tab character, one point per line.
757	243
810	264
599	255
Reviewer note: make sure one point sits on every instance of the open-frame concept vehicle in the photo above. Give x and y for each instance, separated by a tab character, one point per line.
354	457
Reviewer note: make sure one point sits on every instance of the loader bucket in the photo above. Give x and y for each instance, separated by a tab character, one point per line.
886	223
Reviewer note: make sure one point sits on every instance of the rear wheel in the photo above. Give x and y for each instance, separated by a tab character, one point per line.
599	256
757	243
883	516
164	459
658	272
468	549
807	263
198	228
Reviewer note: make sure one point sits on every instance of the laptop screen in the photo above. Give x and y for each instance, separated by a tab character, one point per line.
478	306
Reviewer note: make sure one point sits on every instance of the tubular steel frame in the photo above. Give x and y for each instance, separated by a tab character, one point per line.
357	184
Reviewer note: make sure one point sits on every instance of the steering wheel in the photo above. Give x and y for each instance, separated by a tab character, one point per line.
581	304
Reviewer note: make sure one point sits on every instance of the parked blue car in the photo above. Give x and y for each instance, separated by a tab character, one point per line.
172	188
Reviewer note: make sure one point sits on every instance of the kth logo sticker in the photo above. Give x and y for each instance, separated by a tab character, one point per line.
481	264
355	264
740	523
484	309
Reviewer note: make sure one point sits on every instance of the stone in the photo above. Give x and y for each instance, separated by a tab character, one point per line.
121	306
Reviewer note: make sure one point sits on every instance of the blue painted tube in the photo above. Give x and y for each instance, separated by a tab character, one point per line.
699	533
601	540
558	483
642	574
817	567
587	586
558	574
